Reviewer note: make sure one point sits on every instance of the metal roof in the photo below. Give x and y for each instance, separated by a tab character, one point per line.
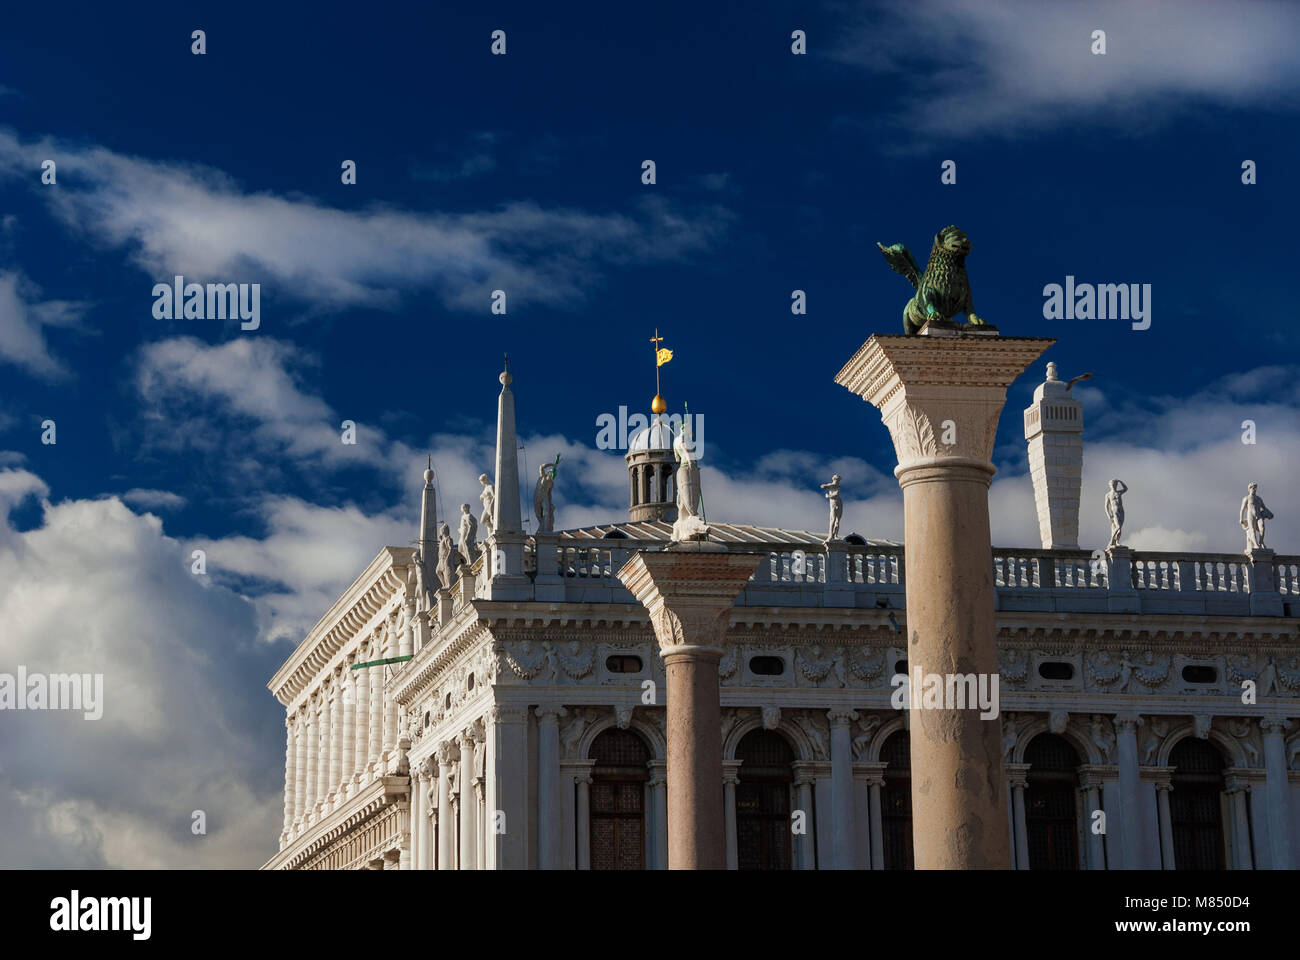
662	531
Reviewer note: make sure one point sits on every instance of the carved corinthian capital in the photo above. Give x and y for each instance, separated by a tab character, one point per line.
689	593
940	397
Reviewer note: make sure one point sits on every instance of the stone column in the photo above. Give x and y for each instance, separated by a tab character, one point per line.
336	735
323	750
404	854
1237	789
941	397
583	782
875	781
447	757
659	807
468	804
1163	786
417	817
347	757
312	758
1130	782
390	710
290	777
1017	776
1276	788
510	778
805	851
1090	786
548	787
361	681
689	590
843	839
375	749
428	770
300	763
731	777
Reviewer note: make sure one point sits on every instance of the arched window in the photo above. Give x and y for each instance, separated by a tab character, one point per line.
896	802
1051	811
617	820
763	801
1195	807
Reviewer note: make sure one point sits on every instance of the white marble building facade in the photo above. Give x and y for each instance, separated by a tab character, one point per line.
526	728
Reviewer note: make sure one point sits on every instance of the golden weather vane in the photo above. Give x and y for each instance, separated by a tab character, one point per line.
662	356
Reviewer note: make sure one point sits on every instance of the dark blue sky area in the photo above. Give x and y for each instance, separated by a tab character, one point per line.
789	167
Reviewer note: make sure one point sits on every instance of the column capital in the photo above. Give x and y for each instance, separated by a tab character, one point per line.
689	593
448	753
507	713
549	713
1126	723
941	396
1236	781
1017	774
841	717
1274	726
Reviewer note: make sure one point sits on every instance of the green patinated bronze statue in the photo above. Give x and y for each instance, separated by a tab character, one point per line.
942	291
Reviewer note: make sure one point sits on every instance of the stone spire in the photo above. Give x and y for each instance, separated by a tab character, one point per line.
505	554
1054	431
505	512
428	541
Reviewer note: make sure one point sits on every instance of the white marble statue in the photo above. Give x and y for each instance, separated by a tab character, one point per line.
468	530
488	496
1253	515
542	505
417	590
1115	510
448	558
690	523
837	506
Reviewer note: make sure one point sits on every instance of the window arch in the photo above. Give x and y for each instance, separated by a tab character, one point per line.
896	802
617	800
1051	803
1196	805
763	801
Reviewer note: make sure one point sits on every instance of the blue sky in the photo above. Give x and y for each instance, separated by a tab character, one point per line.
522	172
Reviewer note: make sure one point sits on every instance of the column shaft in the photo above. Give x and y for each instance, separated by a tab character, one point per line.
468	806
1130	781
290	774
958	781
1277	791
843	839
548	787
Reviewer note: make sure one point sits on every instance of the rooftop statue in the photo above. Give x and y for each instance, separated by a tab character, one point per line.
542	505
468	531
1253	515
942	291
837	506
488	496
448	558
1115	510
690	523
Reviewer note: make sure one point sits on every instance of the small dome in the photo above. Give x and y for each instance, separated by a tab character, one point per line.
657	436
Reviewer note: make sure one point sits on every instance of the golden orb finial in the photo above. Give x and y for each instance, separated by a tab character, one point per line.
658	405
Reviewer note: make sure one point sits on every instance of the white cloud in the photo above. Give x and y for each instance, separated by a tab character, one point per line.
186	725
978	67
177	218
23	319
153	499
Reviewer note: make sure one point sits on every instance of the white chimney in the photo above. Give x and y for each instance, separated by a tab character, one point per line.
1054	430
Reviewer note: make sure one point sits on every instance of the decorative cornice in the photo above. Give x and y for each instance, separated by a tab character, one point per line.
368	596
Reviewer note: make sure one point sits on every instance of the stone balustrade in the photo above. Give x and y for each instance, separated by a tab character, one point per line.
1065	581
